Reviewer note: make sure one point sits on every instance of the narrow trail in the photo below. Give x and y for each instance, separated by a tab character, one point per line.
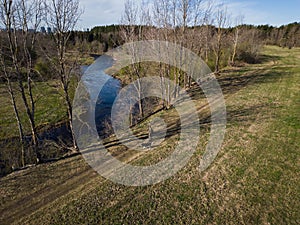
27	205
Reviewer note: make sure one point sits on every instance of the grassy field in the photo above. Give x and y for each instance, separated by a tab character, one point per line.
49	108
254	180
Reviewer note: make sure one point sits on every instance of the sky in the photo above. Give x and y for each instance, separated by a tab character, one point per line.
257	12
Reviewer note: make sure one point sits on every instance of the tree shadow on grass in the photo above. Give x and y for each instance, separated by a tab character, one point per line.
232	83
269	58
246	115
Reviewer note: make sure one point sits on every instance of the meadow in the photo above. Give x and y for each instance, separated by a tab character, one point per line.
255	178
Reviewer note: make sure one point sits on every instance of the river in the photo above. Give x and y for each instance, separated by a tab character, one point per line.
107	95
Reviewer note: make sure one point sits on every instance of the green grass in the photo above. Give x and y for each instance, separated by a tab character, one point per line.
254	180
49	102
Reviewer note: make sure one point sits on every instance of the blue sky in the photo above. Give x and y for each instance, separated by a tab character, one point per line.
273	12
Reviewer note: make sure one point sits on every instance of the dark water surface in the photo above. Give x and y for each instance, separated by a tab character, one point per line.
107	95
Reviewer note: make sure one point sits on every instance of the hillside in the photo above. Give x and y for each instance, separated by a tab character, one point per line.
254	180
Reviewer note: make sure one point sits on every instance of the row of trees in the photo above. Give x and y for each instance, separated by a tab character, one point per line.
241	42
201	26
205	28
283	36
20	46
198	25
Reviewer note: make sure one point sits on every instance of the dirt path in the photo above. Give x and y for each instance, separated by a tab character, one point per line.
27	205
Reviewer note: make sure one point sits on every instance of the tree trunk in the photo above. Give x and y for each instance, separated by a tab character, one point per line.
235	46
13	47
18	120
218	51
69	111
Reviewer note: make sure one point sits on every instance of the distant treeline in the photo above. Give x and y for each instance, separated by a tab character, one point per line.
283	36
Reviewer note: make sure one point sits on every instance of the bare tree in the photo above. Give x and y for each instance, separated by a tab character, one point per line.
164	19
63	16
180	21
6	74
192	14
129	20
17	58
131	31
176	21
207	22
238	21
221	18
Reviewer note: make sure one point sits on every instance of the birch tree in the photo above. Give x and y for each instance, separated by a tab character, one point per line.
131	31
63	16
221	20
21	20
236	38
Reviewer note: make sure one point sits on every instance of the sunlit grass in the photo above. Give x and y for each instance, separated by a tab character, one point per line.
254	179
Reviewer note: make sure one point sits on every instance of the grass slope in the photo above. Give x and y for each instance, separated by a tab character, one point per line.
254	180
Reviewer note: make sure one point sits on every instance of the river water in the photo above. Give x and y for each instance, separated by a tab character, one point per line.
106	96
